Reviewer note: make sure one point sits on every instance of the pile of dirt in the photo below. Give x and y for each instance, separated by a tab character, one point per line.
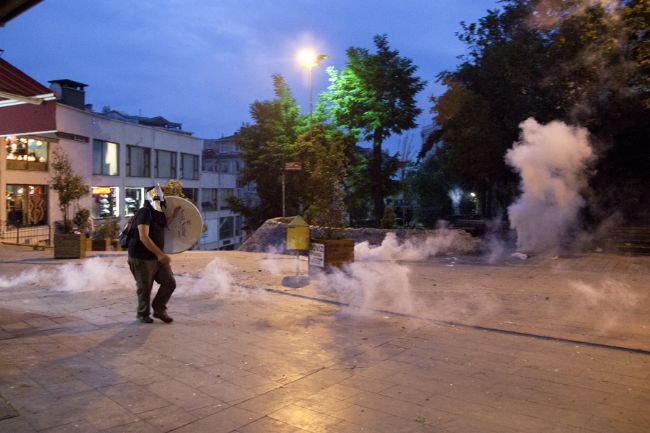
272	236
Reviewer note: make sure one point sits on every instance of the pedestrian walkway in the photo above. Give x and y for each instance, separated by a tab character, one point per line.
250	360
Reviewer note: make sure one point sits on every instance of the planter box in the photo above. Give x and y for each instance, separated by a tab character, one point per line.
326	254
101	244
69	246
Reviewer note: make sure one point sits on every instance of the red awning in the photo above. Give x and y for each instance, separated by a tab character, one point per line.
26	106
16	87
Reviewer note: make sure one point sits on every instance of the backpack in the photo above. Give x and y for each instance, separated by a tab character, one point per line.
127	232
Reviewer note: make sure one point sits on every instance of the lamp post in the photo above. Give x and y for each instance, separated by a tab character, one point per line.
309	59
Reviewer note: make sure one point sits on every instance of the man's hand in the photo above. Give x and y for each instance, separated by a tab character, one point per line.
164	259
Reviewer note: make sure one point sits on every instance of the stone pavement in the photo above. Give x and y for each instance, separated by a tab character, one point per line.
249	360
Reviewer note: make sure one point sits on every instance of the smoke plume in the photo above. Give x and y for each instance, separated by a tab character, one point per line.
552	160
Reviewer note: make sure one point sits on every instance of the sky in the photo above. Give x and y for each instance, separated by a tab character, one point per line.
202	62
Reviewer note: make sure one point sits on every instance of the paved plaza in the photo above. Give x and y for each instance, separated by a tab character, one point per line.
447	344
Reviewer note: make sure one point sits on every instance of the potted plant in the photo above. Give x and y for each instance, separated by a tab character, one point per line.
324	153
70	188
105	233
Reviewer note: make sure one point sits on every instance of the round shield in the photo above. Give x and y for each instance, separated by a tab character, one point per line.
184	231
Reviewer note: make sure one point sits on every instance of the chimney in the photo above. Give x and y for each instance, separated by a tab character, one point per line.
69	92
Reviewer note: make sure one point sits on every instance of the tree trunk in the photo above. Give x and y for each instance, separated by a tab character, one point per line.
375	175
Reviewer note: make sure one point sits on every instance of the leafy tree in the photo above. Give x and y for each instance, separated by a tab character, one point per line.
173	187
69	186
358	184
389	220
325	153
431	185
580	62
375	95
266	145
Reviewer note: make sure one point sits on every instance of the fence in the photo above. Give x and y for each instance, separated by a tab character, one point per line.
36	235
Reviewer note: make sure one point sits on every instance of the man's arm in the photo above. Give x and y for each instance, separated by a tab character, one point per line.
143	231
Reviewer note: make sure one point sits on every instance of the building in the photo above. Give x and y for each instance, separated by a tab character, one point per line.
117	154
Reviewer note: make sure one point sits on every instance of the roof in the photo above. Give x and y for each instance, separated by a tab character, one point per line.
10	9
69	83
17	87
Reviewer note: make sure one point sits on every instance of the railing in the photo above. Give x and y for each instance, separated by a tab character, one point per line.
31	235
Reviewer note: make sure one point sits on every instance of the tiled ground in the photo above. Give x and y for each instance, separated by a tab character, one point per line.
262	362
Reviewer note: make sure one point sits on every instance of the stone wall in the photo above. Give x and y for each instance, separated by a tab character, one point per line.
272	236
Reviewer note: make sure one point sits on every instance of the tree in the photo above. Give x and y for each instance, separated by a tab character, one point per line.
266	145
580	62
69	186
375	95
325	154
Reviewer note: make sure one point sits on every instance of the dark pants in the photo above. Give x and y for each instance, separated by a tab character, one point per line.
145	273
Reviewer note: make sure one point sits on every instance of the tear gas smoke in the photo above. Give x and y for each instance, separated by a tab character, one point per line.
552	161
611	299
549	13
93	274
391	248
371	286
215	279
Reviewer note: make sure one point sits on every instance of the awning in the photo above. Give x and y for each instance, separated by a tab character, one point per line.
10	9
16	87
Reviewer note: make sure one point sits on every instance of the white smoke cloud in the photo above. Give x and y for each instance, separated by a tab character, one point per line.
611	299
215	279
549	13
414	249
552	160
94	274
369	286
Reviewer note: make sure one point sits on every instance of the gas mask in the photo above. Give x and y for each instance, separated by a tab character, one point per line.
156	198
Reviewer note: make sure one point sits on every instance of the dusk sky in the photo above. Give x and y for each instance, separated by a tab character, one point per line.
202	63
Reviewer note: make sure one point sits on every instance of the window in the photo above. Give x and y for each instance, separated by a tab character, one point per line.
189	166
209	199
105	158
166	164
138	161
226	226
26	205
224	193
238	225
26	153
191	194
133	200
105	200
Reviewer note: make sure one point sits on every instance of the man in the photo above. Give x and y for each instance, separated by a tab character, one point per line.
147	261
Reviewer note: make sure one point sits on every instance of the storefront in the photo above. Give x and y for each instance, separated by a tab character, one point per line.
26	153
133	199
105	202
26	205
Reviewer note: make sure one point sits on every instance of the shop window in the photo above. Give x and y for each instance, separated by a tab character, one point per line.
209	199
226	226
26	153
165	164
133	200
105	158
105	201
26	205
189	166
138	161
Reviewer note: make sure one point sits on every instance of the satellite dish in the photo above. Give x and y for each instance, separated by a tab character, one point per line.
185	230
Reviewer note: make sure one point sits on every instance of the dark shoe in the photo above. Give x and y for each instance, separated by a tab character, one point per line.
163	316
145	319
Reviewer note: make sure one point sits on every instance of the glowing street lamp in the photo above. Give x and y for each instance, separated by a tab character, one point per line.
309	59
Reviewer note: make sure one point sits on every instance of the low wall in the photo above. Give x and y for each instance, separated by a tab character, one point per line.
272	235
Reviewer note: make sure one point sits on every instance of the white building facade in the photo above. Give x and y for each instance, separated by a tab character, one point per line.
118	157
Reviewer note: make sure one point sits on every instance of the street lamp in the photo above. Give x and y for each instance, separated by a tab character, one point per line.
309	59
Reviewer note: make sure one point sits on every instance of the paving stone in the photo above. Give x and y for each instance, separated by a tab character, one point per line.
305	419
269	425
225	421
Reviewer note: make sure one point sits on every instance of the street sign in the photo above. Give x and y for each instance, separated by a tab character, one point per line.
292	166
